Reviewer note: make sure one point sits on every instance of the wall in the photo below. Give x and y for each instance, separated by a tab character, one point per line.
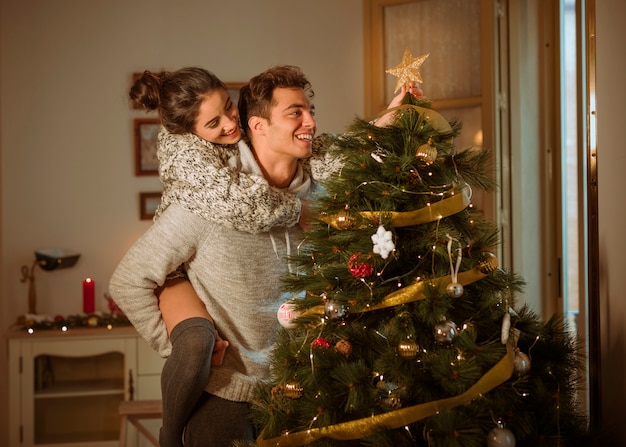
610	98
67	176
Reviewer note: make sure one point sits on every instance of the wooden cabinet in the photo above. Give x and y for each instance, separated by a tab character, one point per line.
64	387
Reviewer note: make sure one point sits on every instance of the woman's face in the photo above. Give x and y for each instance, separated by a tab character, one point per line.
218	119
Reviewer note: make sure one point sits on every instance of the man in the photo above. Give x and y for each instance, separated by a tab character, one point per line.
237	275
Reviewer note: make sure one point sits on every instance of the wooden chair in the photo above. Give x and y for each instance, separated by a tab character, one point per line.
133	411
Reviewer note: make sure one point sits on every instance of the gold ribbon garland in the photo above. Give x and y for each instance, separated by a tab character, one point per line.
417	291
361	428
438	210
434	118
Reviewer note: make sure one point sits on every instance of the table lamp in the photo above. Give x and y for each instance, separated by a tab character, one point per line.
47	259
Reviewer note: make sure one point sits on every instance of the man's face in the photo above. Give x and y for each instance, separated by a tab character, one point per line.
291	126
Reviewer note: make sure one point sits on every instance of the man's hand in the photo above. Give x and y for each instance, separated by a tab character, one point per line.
387	118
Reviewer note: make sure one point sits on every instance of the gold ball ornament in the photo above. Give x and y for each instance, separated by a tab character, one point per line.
344	220
426	153
488	263
293	390
408	349
344	347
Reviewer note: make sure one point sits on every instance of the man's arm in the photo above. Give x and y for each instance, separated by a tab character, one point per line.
168	243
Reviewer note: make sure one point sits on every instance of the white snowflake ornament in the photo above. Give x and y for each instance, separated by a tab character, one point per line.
383	242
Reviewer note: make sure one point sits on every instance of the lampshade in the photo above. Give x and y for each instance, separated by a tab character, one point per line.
56	258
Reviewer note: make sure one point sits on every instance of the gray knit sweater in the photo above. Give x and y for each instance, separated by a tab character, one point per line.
206	179
236	274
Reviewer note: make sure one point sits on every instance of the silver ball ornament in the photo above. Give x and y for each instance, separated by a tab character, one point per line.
521	363
334	311
445	332
500	437
454	290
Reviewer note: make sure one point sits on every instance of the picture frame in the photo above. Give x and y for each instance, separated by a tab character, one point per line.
232	88
148	204
146	131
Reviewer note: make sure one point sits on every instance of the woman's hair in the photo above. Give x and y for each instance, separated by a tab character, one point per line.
255	98
176	95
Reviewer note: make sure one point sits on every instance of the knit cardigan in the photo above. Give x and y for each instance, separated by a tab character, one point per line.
206	179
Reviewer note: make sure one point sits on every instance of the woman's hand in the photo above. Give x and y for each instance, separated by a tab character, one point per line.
219	349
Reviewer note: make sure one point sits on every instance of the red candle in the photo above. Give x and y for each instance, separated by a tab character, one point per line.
89	296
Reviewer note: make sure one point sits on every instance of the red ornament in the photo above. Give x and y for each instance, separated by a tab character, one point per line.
359	269
320	343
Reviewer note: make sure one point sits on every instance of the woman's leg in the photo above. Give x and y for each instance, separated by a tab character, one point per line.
186	371
218	422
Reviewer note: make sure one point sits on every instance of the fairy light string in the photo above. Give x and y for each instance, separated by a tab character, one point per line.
360	428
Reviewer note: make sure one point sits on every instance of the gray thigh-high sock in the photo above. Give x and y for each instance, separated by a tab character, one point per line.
217	422
184	376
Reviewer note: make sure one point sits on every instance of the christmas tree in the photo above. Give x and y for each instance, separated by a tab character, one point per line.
404	330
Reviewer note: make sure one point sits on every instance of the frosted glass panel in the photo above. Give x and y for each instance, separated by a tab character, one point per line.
471	120
447	29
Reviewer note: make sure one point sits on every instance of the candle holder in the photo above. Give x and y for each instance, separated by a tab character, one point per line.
47	259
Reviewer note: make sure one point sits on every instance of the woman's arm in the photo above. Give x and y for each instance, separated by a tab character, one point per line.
198	176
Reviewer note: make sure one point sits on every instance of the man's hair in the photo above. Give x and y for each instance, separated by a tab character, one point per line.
255	98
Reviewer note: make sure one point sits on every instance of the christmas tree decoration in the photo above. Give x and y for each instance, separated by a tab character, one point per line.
359	269
383	242
397	256
320	343
407	70
344	347
427	153
445	331
505	332
334	310
500	437
287	313
454	289
408	349
293	390
521	363
344	219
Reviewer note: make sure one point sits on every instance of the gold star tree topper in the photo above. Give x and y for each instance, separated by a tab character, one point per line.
408	69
